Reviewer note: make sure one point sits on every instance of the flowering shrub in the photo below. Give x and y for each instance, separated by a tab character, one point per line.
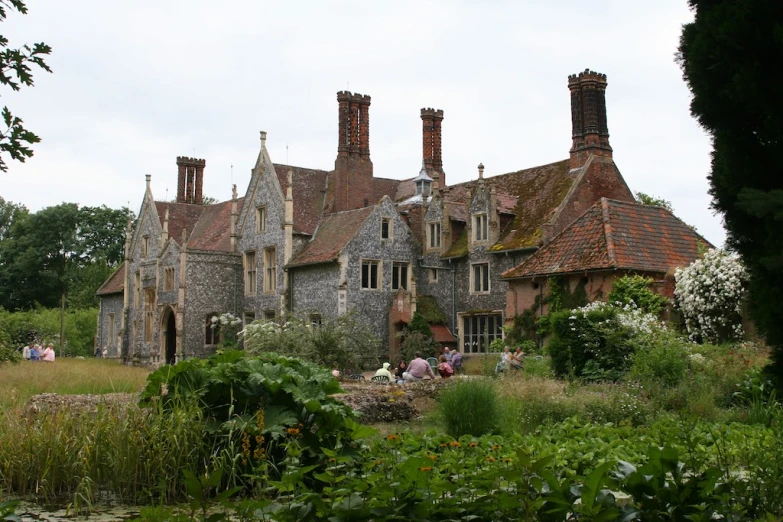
341	342
228	324
709	293
597	341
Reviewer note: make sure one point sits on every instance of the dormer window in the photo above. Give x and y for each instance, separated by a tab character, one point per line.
423	187
423	183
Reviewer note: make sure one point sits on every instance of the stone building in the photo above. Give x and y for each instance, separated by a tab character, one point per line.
320	242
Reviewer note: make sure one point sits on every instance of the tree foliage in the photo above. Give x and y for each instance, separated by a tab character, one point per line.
15	72
646	199
731	57
637	289
57	250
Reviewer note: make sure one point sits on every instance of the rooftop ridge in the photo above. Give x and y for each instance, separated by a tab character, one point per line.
610	251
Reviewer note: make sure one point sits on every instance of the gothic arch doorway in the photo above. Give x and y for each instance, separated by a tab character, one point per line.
168	329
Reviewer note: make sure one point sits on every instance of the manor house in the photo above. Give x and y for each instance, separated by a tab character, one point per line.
323	242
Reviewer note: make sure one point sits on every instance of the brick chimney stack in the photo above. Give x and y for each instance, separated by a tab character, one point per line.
432	144
352	175
190	180
590	134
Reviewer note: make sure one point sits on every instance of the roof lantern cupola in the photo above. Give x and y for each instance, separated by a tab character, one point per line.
423	182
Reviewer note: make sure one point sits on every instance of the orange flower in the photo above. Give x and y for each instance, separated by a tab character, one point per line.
432	457
495	447
332	460
378	462
473	444
392	437
455	444
293	431
507	459
425	468
490	459
444	445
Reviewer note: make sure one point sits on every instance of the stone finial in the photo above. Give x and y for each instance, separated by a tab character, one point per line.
234	191
263	139
149	179
481	170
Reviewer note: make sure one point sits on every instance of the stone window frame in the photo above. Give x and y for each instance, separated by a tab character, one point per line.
480	227
270	270
168	279
389	222
433	275
137	290
484	278
248	317
251	273
145	247
433	235
149	314
270	315
212	334
404	268
110	333
378	276
261	216
478	342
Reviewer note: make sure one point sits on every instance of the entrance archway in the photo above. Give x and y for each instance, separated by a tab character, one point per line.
168	329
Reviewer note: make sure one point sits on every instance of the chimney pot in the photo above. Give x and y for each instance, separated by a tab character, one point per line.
481	170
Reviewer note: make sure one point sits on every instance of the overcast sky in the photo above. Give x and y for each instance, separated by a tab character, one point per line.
137	83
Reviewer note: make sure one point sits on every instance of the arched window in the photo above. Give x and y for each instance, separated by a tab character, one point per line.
212	330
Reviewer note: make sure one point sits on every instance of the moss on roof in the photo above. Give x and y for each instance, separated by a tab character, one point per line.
427	307
458	248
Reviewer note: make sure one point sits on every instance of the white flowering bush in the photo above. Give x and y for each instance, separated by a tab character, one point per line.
229	325
341	342
598	341
709	294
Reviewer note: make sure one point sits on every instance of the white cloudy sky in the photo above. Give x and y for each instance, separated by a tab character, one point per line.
137	83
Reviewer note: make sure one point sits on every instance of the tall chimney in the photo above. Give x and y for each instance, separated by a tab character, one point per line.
432	154
589	131
351	178
190	180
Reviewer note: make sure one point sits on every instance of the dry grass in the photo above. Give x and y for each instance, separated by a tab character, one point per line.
19	382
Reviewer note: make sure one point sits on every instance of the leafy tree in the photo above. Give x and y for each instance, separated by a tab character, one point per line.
8	214
731	57
14	72
646	199
636	289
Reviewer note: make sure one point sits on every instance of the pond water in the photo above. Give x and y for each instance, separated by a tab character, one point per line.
101	512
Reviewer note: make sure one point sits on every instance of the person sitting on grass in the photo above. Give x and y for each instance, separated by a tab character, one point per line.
417	369
399	371
384	372
444	368
518	358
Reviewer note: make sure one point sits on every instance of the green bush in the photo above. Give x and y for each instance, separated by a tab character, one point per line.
43	325
663	361
8	352
636	290
338	342
470	407
269	396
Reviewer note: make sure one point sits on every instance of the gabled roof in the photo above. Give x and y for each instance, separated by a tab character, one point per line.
333	233
616	235
442	334
308	190
181	216
115	284
213	229
531	195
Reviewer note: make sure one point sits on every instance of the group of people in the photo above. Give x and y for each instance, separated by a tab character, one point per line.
511	360
38	352
416	370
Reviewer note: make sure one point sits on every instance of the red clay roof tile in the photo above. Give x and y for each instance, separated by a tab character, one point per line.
333	233
309	188
115	284
213	229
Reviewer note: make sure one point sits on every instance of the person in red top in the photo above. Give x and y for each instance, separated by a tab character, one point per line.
444	368
417	369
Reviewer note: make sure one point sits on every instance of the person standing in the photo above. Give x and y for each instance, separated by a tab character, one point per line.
48	353
35	355
417	369
26	352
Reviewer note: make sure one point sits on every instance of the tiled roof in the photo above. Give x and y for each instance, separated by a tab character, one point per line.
309	187
213	229
616	234
181	215
531	195
116	282
442	333
333	233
